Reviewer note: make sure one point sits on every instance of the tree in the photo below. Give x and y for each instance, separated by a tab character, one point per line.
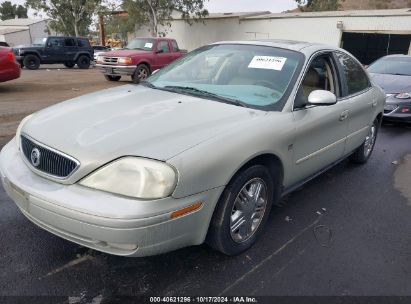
69	17
10	11
319	5
157	13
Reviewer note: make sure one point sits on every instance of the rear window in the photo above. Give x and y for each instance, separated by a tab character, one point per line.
83	43
392	65
355	76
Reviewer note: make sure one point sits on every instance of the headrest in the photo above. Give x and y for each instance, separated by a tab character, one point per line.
312	78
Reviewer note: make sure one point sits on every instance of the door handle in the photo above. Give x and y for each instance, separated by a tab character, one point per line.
344	115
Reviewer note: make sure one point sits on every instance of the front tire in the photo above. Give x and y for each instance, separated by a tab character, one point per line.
83	62
363	153
32	62
242	210
112	78
141	73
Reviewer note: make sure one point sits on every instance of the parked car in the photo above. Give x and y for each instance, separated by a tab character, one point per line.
199	151
3	43
393	74
99	50
139	58
9	67
64	50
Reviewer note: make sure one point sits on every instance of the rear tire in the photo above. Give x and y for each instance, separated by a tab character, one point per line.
83	62
363	153
241	213
112	78
32	62
141	73
69	65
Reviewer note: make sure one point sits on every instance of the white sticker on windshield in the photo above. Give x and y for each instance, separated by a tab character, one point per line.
148	45
267	62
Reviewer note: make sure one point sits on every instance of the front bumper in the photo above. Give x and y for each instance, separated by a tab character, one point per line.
103	221
394	110
116	70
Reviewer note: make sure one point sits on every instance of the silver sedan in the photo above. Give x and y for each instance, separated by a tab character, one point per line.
200	151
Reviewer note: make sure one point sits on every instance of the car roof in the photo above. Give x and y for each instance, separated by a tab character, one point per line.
397	56
284	44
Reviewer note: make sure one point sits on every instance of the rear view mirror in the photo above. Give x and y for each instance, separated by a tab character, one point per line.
322	98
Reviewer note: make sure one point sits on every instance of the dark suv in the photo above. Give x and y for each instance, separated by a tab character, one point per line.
66	50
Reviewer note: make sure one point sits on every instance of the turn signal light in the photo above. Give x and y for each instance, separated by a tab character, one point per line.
125	60
186	210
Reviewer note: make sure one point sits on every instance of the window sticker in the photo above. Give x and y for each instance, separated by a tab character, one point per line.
148	45
267	62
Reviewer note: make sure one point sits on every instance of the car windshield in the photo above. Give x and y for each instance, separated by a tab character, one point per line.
39	41
140	44
392	65
246	75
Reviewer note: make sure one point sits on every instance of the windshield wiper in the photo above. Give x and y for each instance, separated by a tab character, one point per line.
205	94
148	84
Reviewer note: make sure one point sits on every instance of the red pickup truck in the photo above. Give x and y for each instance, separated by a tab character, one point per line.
9	67
139	59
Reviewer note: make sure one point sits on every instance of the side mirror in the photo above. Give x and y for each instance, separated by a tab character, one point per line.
159	51
322	98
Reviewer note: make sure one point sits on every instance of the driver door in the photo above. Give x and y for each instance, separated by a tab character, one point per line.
55	49
320	130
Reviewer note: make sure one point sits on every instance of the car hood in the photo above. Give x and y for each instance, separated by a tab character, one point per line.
392	84
126	53
132	120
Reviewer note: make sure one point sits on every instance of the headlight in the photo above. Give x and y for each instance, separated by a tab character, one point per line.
125	60
99	59
134	177
403	96
18	132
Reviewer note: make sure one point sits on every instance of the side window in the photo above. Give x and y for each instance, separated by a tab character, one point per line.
82	43
163	45
175	46
69	42
319	76
355	76
55	42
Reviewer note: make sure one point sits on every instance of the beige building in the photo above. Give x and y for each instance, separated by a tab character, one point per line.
367	34
22	31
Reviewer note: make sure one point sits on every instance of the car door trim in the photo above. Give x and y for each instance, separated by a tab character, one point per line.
324	149
358	132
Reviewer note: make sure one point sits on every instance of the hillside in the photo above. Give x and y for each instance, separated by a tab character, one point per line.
374	4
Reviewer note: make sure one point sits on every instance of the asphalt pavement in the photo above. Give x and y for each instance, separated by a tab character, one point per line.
347	232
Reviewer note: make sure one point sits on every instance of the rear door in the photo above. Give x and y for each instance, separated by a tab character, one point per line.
175	50
360	97
70	49
320	130
163	54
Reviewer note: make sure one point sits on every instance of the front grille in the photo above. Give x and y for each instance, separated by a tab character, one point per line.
110	59
49	161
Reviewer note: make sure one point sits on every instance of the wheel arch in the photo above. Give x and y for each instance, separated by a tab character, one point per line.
80	54
146	63
32	53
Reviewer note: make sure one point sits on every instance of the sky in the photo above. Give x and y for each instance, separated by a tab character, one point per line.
224	6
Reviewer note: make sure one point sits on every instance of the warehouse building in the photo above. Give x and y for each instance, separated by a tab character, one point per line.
22	31
368	34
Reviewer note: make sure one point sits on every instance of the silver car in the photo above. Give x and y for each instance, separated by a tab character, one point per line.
200	151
